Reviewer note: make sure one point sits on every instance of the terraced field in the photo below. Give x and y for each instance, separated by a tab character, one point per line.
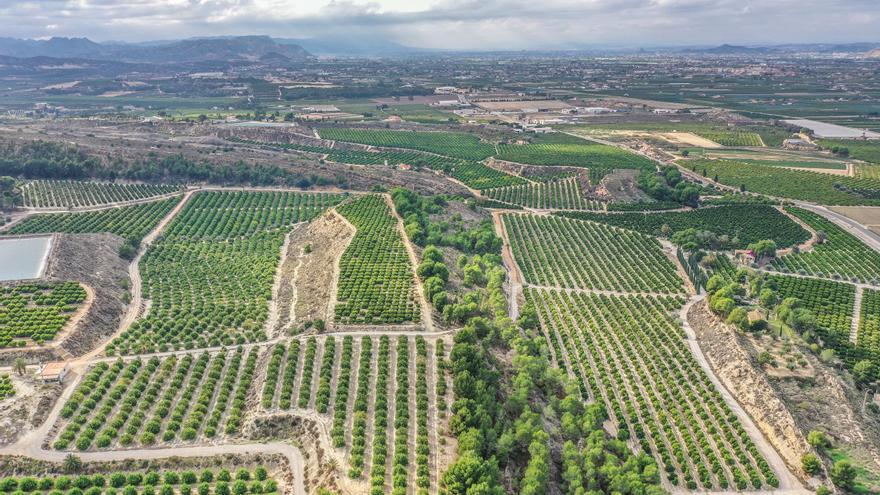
155	401
36	312
555	251
629	353
209	277
744	223
376	281
841	256
564	194
379	394
130	222
71	194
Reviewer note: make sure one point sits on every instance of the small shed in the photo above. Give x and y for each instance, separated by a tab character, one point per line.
54	371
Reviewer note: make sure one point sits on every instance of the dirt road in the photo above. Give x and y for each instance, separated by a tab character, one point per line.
788	483
134	308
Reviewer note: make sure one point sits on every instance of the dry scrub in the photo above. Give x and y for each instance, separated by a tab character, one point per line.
92	259
307	277
732	364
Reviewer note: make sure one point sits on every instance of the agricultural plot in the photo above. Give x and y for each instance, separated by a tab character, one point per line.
564	194
831	302
587	154
841	256
868	151
868	337
209	277
6	388
629	353
377	157
204	482
743	224
377	393
817	187
71	194
146	402
129	222
452	144
376	281
236	214
867	171
478	176
36	312
555	251
733	138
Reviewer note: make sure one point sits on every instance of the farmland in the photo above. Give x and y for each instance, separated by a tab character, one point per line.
6	388
335	376
129	222
742	224
734	138
204	482
72	194
455	145
803	185
36	312
831	302
376	279
627	352
868	151
158	401
868	336
555	251
564	194
840	256
584	154
210	276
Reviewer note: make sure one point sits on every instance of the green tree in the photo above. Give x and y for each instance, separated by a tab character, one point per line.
811	464
818	439
767	298
843	474
863	371
762	249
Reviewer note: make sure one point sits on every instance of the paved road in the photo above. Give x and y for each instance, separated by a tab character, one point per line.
861	232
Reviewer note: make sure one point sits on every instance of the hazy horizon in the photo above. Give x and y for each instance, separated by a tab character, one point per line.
468	25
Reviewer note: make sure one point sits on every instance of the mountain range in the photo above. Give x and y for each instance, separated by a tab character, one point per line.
244	48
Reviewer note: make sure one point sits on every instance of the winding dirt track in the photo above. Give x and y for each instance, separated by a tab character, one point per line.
788	483
134	308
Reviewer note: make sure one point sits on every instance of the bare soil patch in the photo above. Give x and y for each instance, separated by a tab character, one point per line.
307	277
92	259
27	409
690	139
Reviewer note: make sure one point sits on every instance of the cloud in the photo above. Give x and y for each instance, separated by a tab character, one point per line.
456	24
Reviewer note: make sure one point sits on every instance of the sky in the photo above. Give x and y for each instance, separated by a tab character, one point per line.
456	24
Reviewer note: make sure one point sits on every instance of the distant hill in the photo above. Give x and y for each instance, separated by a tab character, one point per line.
250	48
730	50
875	53
350	47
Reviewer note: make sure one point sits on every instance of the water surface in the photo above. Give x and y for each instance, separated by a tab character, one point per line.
23	258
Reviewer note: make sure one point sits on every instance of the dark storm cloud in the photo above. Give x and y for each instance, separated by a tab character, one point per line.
488	24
